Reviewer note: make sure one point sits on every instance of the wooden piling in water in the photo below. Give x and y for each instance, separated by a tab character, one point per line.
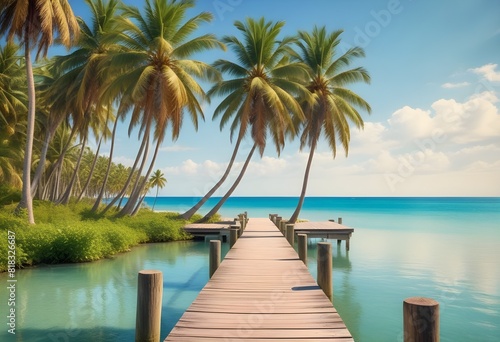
233	236
214	256
149	303
421	320
302	247
290	234
324	277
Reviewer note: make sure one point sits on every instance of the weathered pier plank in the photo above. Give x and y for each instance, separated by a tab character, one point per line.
261	291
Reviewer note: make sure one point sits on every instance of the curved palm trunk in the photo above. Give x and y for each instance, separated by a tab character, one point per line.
26	198
128	208
157	190
43	155
230	191
92	168
106	176
295	214
41	163
60	159
129	179
146	179
188	214
69	189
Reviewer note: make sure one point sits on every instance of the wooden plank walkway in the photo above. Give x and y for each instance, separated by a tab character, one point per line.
261	291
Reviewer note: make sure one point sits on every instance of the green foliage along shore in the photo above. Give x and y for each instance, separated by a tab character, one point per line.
72	233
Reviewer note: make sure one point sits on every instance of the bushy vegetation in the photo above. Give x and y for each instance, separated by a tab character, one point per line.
72	233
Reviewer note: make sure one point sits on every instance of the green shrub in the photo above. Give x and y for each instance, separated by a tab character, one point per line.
72	233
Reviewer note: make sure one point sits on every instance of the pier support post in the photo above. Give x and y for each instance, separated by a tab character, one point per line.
421	319
282	227
325	268
233	236
214	256
149	303
340	220
348	244
290	234
302	246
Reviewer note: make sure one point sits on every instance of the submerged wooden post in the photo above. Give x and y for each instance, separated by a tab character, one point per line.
214	256
302	246
421	320
324	277
290	234
233	236
149	302
340	220
348	244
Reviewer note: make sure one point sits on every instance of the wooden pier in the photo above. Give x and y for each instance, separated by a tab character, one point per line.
324	229
261	291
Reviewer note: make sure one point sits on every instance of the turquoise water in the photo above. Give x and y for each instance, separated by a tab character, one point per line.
444	248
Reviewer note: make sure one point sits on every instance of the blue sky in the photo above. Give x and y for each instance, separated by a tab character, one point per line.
435	123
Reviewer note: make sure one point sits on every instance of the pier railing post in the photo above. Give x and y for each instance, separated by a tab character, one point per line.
290	234
325	265
214	256
149	303
302	246
421	319
233	236
340	220
278	221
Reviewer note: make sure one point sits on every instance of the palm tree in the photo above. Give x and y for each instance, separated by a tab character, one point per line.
34	23
260	95
157	179
335	106
12	103
156	80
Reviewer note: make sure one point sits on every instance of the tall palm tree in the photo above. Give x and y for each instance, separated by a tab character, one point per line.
34	23
335	106
259	97
156	79
157	179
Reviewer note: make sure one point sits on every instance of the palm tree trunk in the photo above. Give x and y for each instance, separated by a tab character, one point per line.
106	176
43	154
295	214
188	214
69	189
62	155
92	168
233	187
135	193
129	179
146	178
156	197
26	198
41	163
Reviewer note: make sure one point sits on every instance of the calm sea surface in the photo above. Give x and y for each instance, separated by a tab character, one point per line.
447	249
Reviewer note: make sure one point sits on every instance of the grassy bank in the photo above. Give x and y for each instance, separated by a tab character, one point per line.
68	234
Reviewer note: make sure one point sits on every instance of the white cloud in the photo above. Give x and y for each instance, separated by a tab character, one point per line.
455	85
177	148
488	72
123	160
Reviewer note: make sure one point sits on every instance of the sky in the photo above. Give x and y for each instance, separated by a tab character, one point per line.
434	129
